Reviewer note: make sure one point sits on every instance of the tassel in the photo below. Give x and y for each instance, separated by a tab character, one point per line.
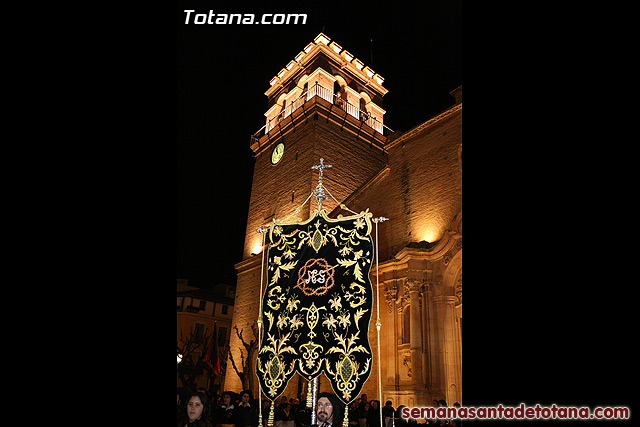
270	420
345	420
309	395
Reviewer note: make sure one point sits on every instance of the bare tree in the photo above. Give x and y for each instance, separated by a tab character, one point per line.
192	350
246	375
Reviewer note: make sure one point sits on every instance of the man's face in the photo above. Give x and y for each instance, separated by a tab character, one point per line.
324	411
245	398
226	399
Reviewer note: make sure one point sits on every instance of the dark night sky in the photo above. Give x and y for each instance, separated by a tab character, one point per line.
223	72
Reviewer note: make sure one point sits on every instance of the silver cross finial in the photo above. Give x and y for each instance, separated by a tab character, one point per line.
321	166
319	193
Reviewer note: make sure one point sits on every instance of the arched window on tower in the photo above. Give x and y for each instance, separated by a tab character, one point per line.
338	95
364	116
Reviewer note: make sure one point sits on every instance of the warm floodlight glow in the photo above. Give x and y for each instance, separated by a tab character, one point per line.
281	73
179	358
369	71
290	65
336	47
359	64
321	38
379	78
308	47
257	248
273	81
346	55
299	56
430	235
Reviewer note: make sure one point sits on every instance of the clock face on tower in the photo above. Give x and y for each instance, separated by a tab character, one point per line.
277	153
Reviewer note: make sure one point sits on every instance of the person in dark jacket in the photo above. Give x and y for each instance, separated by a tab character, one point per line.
387	414
303	416
353	414
246	415
373	415
225	414
362	410
284	416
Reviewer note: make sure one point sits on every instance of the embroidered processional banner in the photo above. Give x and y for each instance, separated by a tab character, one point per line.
317	304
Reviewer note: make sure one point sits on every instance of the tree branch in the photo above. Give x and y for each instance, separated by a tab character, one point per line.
235	368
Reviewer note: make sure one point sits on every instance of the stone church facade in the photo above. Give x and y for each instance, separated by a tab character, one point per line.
327	104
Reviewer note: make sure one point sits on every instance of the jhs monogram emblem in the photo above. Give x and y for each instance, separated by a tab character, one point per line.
315	277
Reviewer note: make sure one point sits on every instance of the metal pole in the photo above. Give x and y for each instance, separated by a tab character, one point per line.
313	400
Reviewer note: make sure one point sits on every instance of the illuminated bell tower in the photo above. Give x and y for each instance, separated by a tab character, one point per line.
325	103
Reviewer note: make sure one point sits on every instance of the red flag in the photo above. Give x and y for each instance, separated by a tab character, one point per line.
211	358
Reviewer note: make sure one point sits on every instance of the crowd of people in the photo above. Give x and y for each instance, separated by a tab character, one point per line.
237	410
200	409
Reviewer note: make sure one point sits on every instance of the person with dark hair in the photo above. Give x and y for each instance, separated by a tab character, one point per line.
399	420
196	411
436	404
442	404
284	416
353	414
456	422
373	415
225	413
246	415
362	410
387	414
328	410
303	416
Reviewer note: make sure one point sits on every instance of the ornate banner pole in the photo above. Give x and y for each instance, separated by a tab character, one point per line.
378	323
259	321
313	400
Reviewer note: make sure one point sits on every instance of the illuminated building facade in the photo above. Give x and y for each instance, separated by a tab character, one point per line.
326	103
198	312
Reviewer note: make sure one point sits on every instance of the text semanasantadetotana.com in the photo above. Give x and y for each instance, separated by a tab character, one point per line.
523	411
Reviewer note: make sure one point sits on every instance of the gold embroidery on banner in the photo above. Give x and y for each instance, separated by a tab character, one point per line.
312	317
295	343
347	371
317	241
275	371
310	357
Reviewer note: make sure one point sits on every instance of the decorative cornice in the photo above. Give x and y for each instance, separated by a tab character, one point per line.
449	244
334	51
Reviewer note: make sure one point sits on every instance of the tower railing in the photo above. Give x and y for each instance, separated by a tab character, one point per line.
328	95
